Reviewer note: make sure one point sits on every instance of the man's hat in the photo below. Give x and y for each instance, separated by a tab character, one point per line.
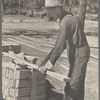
53	3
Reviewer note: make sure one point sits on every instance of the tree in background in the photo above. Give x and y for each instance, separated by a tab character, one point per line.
11	6
93	6
82	11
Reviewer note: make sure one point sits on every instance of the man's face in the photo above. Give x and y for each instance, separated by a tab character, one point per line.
52	13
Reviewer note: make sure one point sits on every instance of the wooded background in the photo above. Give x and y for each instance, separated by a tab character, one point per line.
11	7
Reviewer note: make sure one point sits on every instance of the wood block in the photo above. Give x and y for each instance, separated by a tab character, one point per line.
19	98
22	74
22	98
3	79
5	48
11	73
5	92
15	48
22	92
13	83
10	83
6	82
2	88
3	71
11	92
9	64
3	83
22	83
9	98
41	80
41	97
41	89
7	72
33	84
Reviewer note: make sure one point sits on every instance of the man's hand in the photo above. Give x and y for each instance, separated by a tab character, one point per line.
46	67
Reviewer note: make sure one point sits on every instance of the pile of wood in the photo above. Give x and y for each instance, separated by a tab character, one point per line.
21	83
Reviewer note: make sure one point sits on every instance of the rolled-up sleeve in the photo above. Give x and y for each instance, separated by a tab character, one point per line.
60	44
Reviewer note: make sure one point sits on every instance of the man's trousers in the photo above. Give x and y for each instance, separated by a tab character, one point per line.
75	89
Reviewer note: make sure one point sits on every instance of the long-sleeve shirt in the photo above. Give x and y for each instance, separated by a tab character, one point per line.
71	37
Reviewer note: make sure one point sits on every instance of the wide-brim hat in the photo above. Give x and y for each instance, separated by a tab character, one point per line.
53	3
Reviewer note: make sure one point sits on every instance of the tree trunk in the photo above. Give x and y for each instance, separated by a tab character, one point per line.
82	11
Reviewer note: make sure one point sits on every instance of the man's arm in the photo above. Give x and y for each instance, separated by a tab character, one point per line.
60	44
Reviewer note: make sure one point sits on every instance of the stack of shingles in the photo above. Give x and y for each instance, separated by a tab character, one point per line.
20	82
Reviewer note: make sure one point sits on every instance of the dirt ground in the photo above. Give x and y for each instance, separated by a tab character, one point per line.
48	31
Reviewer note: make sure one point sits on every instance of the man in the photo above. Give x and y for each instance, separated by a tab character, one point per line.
72	38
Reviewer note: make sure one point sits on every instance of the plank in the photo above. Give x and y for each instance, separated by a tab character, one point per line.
22	92
22	98
9	98
22	74
31	59
41	97
20	60
8	65
33	85
22	83
19	98
58	76
64	67
41	89
6	82
5	92
41	80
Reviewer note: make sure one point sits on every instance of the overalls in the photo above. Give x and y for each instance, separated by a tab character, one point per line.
72	38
